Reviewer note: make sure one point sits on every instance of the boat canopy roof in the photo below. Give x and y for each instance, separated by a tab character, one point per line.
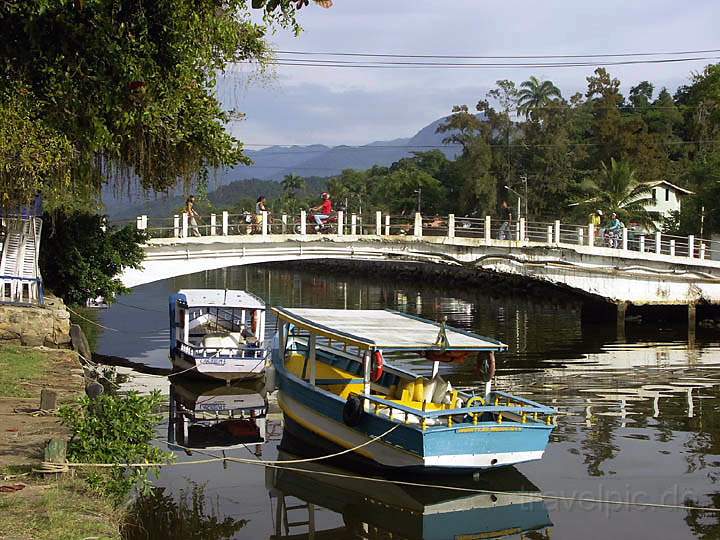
384	329
219	298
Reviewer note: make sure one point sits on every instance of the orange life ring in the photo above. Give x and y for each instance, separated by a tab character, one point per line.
378	362
485	367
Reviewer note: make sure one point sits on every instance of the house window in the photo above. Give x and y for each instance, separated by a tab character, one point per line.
667	194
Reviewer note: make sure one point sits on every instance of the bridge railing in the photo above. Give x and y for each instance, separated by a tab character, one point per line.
496	231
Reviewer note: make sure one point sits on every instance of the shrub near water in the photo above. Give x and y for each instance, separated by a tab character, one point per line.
115	429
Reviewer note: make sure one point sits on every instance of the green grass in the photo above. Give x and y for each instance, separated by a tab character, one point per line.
57	510
17	366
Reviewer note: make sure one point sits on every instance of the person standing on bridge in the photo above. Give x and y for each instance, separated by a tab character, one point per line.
260	207
193	216
505	221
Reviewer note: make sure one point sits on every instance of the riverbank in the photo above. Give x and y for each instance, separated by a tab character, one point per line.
36	507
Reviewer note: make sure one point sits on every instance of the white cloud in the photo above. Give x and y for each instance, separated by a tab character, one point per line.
352	106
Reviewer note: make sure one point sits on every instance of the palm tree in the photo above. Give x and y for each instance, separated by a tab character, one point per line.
292	183
535	94
618	190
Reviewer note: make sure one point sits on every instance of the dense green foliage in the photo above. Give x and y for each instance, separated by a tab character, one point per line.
92	90
596	149
81	259
115	429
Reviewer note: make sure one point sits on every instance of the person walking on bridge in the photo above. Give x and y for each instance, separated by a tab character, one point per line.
193	216
260	207
505	221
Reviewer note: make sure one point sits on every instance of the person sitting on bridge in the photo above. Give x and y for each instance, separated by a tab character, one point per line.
322	212
506	220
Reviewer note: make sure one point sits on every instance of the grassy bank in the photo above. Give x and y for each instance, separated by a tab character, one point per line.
19	368
49	508
56	510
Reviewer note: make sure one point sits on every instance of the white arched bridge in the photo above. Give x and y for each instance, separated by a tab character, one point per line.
643	269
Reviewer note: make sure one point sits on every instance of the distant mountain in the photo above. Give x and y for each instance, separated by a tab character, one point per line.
274	162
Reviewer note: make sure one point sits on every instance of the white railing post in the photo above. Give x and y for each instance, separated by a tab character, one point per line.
672	248
642	243
213	224
225	222
138	223
144	222
557	231
624	239
549	234
353	224
176	225
417	233
521	233
517	231
591	234
691	246
488	229
702	251
378	223
264	224
451	226
184	224
303	222
283	220
581	233
658	242
387	225
341	223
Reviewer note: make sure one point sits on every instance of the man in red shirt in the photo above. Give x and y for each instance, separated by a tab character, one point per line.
322	212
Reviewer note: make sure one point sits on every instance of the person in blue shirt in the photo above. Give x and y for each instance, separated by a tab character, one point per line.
614	230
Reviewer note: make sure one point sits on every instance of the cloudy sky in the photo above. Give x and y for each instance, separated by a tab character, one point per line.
305	105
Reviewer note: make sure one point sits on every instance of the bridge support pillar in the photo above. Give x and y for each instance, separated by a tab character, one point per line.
303	222
642	243
488	233
213	224
176	225
283	220
264	224
387	225
557	231
225	223
591	234
184	224
451	226
341	223
658	242
378	223
353	224
691	246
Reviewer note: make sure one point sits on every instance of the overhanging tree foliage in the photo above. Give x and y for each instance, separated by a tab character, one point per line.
121	89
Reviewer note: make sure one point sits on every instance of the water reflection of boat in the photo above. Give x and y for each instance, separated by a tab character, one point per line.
207	417
368	509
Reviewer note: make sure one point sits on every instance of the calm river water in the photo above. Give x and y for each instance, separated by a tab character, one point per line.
639	422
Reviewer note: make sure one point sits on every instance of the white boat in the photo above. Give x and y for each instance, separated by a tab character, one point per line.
217	334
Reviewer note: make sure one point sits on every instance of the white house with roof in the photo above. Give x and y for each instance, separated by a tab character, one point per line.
666	197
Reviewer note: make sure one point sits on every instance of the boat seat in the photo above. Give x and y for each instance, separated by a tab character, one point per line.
331	378
221	341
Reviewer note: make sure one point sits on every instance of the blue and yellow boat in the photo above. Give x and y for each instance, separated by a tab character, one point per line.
337	384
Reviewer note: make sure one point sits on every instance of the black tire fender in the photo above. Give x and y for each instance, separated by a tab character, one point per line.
353	411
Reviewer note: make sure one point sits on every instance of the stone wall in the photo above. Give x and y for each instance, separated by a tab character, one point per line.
33	326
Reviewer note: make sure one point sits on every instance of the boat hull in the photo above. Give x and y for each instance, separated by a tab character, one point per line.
455	449
232	370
